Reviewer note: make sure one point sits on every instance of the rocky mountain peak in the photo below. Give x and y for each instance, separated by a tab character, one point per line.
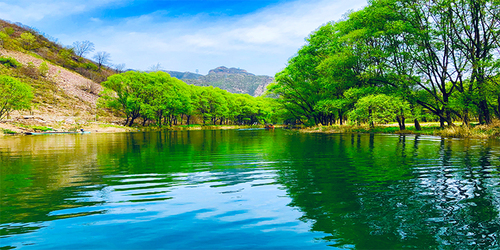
225	70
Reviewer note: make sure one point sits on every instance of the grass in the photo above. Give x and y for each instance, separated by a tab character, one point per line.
111	126
8	132
189	126
36	128
477	131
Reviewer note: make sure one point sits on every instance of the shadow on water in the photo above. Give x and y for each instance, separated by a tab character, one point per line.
280	188
391	192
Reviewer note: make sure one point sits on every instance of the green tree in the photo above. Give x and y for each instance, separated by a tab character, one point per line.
3	38
14	95
380	109
300	86
447	48
122	94
211	104
43	69
27	40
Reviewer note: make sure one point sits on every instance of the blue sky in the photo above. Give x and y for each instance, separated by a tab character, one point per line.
257	35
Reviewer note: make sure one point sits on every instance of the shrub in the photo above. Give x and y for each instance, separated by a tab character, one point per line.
10	62
90	87
31	71
14	95
90	66
27	40
42	128
3	37
8	131
43	69
9	30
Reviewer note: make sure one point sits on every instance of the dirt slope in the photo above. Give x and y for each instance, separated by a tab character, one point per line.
74	104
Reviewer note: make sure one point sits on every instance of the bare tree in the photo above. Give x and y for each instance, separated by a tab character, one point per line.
156	67
102	58
119	67
83	47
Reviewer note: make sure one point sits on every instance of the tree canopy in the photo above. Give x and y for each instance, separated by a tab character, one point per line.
14	95
439	57
160	99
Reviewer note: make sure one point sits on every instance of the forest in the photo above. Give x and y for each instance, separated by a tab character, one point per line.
159	99
398	60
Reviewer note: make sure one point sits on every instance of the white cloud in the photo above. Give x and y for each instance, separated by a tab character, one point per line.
29	11
260	42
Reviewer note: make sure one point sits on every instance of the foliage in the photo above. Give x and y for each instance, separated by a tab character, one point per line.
42	128
27	40
31	71
9	31
10	62
90	66
160	99
8	131
379	109
3	37
14	95
49	50
43	69
439	58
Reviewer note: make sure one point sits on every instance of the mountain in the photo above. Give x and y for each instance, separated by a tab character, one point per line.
66	86
183	75
233	80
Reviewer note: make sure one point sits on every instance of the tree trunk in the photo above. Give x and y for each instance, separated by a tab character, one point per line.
441	122
402	120
372	125
131	121
465	118
483	109
498	108
448	118
417	125
480	118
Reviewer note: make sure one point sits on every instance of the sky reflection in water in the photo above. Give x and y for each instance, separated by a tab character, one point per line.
248	189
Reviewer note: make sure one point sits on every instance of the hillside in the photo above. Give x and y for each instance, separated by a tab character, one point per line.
183	75
65	86
231	79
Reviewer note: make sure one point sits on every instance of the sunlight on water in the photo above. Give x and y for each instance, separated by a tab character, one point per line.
248	189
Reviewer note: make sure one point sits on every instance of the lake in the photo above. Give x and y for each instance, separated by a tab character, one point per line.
248	189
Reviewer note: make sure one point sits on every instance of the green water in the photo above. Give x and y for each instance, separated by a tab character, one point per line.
248	189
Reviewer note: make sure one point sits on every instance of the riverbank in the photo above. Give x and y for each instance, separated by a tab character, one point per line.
476	131
34	124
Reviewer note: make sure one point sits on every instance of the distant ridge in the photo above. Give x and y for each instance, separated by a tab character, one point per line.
183	75
234	80
224	70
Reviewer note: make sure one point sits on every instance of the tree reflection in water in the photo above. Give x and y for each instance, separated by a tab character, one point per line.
360	190
393	192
